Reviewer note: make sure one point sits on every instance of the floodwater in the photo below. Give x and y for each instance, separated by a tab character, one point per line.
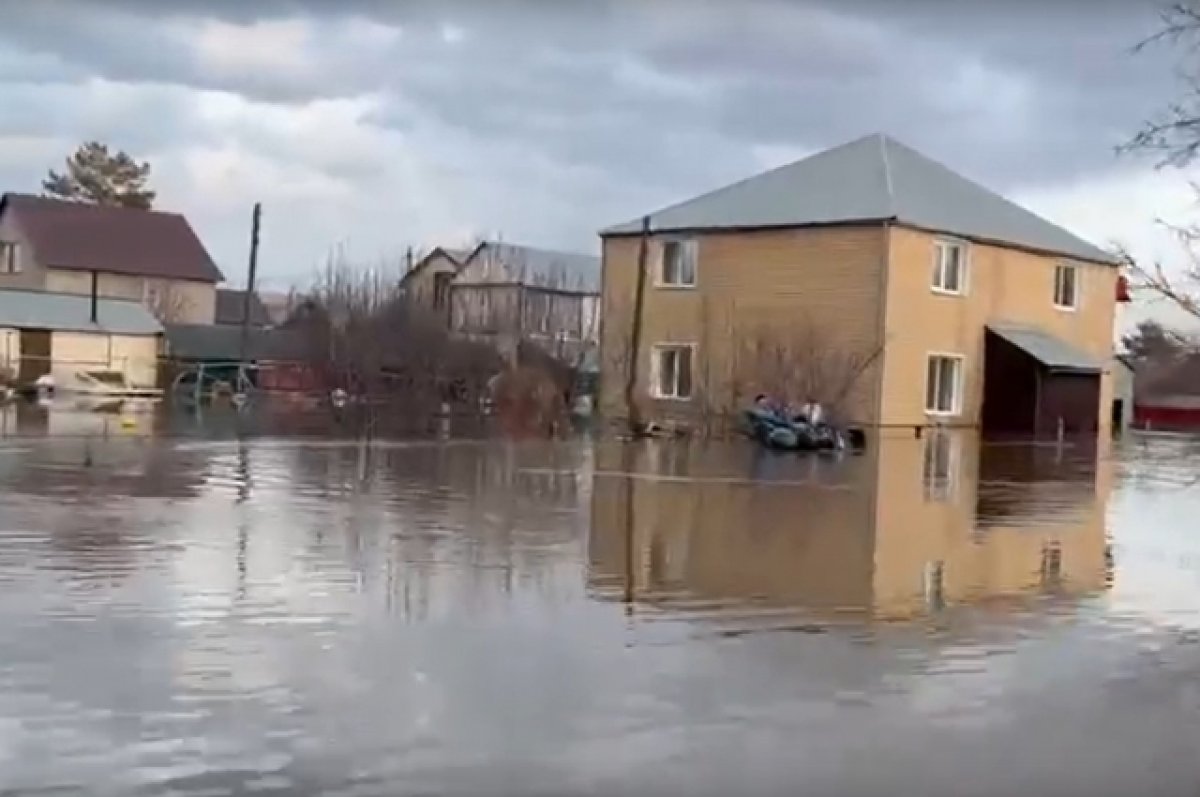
200	614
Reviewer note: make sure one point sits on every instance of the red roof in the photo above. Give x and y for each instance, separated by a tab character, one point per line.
143	243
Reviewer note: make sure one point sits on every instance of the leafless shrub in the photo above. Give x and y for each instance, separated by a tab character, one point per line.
800	362
167	301
363	338
1174	133
1182	289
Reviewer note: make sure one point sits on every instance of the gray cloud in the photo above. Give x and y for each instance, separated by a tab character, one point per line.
556	119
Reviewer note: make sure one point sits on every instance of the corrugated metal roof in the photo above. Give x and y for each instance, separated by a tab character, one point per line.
22	309
528	265
875	178
1050	351
224	342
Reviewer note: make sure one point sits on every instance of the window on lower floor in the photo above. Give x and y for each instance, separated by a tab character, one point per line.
671	371
943	384
9	263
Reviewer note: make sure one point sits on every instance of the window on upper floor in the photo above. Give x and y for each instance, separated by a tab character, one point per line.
10	263
1066	287
441	289
950	267
678	267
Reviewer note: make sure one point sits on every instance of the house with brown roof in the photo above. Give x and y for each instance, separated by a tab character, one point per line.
868	277
153	257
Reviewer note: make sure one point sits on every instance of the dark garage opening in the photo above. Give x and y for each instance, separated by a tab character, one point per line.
1032	381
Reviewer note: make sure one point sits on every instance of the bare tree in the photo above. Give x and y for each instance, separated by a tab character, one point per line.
801	362
1173	137
383	352
1174	134
1180	286
167	301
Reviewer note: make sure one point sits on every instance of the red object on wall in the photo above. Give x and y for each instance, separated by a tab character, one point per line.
1123	289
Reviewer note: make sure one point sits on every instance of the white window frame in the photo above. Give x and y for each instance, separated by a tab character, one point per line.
1076	288
959	386
10	257
660	267
964	266
656	352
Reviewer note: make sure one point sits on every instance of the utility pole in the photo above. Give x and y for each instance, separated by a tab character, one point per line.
254	224
635	332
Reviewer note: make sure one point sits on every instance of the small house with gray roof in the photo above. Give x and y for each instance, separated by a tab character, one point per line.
63	334
506	294
869	277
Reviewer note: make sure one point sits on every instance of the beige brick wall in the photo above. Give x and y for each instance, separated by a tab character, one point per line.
1003	285
777	284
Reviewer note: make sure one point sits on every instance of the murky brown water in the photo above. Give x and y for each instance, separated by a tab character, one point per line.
212	616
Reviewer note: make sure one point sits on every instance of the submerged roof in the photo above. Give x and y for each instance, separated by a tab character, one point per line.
874	178
65	312
1055	354
534	267
81	236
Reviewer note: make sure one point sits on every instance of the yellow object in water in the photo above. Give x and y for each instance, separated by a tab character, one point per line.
128	423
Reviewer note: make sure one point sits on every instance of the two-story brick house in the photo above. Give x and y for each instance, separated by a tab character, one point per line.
944	302
148	256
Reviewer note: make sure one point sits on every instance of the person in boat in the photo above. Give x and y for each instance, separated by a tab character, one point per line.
765	405
812	412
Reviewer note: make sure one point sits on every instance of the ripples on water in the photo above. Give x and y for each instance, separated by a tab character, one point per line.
207	616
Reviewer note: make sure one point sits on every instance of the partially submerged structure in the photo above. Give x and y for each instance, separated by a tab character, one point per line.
871	278
148	256
275	359
65	335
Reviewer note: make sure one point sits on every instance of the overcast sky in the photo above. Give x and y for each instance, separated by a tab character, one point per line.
375	125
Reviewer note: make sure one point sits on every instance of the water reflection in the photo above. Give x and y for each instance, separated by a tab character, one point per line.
206	616
912	526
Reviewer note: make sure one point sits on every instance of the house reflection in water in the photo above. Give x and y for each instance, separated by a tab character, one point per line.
910	527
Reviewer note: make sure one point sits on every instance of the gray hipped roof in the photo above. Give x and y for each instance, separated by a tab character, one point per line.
62	312
875	178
